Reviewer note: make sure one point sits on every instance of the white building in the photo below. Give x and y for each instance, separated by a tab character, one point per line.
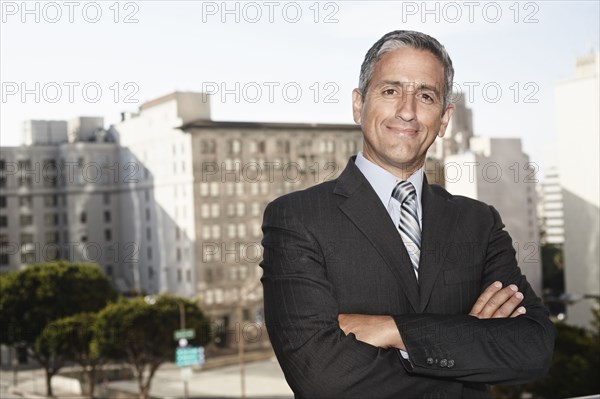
57	200
497	172
157	184
550	210
577	126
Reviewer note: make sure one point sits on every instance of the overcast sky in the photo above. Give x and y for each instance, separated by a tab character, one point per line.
282	61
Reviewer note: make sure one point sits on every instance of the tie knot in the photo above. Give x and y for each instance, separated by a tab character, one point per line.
403	191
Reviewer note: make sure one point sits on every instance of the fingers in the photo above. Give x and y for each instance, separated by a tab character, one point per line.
485	296
497	302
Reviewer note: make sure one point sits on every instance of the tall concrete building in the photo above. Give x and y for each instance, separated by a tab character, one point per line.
58	200
577	104
550	208
238	168
497	172
157	192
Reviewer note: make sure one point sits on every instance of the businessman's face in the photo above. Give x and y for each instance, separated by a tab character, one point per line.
401	112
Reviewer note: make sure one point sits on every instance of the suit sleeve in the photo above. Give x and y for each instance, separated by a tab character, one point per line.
467	349
317	358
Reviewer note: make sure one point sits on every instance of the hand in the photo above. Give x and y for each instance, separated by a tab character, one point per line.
378	331
498	302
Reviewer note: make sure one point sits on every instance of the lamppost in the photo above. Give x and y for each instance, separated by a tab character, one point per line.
241	348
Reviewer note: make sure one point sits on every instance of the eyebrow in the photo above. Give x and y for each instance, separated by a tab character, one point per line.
419	86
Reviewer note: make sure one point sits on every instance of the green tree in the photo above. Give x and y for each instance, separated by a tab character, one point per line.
41	293
140	332
74	338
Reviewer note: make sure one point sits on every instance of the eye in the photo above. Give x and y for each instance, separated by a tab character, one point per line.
390	92
427	98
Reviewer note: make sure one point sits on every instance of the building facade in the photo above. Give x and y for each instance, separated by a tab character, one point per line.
577	125
497	172
238	169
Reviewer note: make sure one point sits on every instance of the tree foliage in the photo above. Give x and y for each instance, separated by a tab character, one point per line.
74	338
140	332
33	297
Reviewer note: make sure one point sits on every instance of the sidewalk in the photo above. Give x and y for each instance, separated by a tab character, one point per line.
264	379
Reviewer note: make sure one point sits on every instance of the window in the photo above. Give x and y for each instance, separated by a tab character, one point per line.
2	201
3	239
214	189
148	233
106	216
241	230
178	254
239	188
205	210
50	200
149	253
147	214
150	273
216	231
52	237
177	232
240	209
25	220
2	164
51	219
255	209
215	210
108	234
204	189
83	217
146	194
235	146
109	270
231	230
106	198
4	259
2	182
25	181
179	275
26	238
208	146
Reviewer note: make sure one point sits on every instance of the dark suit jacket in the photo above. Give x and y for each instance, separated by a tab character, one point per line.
333	249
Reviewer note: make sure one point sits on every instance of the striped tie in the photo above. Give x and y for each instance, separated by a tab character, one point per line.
409	228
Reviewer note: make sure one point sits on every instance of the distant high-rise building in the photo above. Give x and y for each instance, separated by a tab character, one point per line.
551	209
458	133
157	192
238	168
497	172
577	126
58	200
44	132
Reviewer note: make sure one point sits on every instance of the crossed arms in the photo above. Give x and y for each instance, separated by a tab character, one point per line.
327	354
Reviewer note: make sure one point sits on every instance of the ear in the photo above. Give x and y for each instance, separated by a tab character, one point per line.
446	119
357	103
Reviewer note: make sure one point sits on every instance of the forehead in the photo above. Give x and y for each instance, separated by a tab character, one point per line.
408	64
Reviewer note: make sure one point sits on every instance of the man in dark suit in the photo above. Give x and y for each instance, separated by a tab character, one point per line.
379	285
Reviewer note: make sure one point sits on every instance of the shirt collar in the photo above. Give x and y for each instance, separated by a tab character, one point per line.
383	182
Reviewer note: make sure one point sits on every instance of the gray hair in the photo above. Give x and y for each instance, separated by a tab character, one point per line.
406	38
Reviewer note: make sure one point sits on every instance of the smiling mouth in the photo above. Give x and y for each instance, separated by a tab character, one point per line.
403	130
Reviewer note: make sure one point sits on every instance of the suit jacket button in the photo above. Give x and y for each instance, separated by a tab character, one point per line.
430	360
443	363
450	363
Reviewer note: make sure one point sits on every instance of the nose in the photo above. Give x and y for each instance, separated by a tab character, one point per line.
406	108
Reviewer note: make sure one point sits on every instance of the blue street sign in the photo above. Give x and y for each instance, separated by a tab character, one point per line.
190	356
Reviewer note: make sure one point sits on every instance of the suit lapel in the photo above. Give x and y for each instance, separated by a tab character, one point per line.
439	223
364	208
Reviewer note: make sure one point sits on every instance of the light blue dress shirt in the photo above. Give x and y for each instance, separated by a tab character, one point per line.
383	182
